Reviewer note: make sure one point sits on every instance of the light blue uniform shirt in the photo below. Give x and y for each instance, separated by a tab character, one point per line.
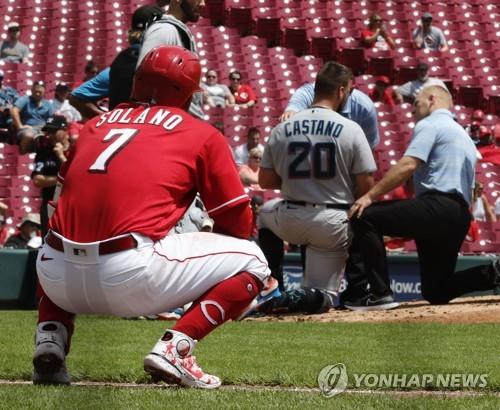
94	89
358	108
448	153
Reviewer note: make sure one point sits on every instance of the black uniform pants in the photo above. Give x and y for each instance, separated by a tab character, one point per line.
438	222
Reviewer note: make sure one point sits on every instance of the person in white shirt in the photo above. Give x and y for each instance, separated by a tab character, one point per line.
241	151
481	208
61	104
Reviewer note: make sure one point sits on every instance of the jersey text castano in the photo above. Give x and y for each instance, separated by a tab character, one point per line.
313	127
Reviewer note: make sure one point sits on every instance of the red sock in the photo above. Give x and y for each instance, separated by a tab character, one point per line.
48	311
224	301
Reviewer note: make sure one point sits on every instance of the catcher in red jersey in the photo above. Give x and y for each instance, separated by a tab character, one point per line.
129	178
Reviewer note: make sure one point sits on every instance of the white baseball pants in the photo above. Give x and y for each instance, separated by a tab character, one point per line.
325	231
152	278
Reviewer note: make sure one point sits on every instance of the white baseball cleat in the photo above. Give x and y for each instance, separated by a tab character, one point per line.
49	359
171	361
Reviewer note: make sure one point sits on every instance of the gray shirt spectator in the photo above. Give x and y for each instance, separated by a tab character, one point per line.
429	37
216	94
172	30
408	91
12	49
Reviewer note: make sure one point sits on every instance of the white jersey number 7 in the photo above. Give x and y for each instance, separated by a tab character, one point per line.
102	161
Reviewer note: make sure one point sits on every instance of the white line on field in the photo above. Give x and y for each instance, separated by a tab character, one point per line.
247	387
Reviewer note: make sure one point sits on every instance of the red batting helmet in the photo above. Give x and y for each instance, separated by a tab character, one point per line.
168	75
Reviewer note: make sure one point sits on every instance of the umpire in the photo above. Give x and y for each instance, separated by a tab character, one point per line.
441	158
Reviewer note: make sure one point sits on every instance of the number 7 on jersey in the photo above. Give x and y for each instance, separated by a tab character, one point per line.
125	136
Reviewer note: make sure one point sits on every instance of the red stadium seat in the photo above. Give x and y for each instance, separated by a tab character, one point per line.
471	96
295	36
354	58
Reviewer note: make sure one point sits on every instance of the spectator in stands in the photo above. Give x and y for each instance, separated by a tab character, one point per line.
249	172
8	97
90	71
477	118
216	94
4	232
408	91
61	105
12	49
27	231
244	96
483	138
49	157
29	115
241	152
358	107
497	208
481	207
429	37
381	92
376	35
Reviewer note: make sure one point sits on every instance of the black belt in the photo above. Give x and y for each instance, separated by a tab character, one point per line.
105	248
329	206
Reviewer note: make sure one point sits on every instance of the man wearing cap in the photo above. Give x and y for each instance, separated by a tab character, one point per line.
381	92
8	97
408	91
12	49
61	105
29	114
122	68
429	37
49	158
28	229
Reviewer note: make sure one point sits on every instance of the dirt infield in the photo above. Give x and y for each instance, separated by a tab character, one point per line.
482	309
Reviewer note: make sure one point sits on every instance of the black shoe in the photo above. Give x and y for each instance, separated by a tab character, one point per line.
372	302
305	300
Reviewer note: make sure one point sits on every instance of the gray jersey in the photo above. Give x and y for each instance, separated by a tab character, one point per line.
317	154
170	31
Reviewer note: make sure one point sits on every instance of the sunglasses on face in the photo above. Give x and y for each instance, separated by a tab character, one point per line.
256	157
211	76
235	79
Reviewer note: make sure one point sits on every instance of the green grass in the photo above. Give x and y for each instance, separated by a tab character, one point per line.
258	353
74	398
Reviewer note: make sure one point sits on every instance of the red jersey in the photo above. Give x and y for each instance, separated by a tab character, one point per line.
137	169
244	94
385	98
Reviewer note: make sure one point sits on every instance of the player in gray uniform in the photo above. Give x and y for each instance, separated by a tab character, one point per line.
172	30
322	162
